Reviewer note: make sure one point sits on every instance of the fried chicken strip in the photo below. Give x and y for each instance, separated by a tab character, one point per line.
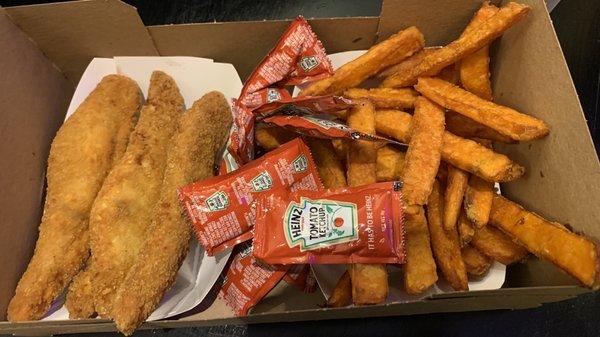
122	211
201	134
81	155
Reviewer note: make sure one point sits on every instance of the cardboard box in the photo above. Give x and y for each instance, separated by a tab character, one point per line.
45	49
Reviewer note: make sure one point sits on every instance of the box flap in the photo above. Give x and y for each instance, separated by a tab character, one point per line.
72	33
519	298
562	181
245	44
430	16
33	99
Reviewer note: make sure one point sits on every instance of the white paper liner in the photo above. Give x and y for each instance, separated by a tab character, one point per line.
328	275
195	77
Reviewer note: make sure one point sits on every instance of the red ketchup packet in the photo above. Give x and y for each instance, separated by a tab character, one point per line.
297	58
324	128
362	224
222	209
247	281
301	276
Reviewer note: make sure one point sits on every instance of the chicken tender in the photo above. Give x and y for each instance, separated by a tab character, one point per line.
201	135
81	155
122	212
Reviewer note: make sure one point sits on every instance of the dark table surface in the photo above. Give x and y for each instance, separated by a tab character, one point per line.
577	24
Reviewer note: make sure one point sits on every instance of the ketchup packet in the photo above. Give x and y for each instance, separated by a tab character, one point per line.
324	128
247	281
221	208
298	58
361	224
301	276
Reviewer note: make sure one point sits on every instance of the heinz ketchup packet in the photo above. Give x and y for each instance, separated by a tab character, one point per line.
322	127
297	58
247	281
361	224
221	208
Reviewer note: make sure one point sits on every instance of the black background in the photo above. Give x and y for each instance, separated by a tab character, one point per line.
577	24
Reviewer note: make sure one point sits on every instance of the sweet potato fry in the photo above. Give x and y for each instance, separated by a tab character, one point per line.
474	69
465	230
340	147
467	128
455	190
271	137
390	163
467	44
385	98
478	201
424	151
382	55
330	168
466	154
492	242
409	63
476	263
445	245
420	270
362	154
369	281
342	293
506	121
573	253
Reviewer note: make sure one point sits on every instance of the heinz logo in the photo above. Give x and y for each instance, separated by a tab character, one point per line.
314	224
300	164
218	201
308	63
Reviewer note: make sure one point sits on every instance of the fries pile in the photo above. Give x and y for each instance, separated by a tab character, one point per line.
439	102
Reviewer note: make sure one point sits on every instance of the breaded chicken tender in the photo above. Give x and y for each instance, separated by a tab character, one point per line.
81	155
122	212
200	137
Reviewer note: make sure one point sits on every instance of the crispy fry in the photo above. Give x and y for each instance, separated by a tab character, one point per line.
423	155
467	44
382	55
455	189
342	293
271	137
85	148
444	244
465	229
369	281
386	98
476	263
474	69
390	163
497	245
420	270
362	154
506	121
409	63
550	241
467	128
340	146
463	153
330	168
478	201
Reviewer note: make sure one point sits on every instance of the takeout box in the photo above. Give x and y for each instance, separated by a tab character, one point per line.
46	48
